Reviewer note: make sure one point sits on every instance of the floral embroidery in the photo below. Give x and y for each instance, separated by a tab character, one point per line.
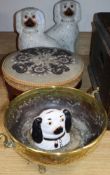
23	57
39	69
43	61
20	68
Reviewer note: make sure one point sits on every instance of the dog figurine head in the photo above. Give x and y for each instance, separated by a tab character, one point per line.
67	10
30	19
50	130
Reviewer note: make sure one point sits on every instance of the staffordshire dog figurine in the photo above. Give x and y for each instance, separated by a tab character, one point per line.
51	129
30	25
67	14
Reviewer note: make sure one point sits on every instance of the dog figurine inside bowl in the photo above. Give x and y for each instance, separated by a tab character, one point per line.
67	14
51	129
30	25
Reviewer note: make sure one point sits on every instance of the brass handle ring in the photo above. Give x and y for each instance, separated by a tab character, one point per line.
93	92
7	143
41	169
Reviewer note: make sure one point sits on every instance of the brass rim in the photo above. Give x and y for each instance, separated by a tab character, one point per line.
75	151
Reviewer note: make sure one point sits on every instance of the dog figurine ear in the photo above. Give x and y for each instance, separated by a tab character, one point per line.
36	130
18	22
77	16
68	121
40	17
56	13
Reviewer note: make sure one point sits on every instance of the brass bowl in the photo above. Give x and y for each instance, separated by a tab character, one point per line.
88	116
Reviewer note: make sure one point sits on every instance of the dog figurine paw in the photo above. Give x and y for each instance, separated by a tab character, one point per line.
30	25
50	130
67	14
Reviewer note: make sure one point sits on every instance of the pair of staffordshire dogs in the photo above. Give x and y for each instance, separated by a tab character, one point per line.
30	25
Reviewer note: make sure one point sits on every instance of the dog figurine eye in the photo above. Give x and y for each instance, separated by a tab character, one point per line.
72	6
62	119
26	16
33	16
65	6
50	123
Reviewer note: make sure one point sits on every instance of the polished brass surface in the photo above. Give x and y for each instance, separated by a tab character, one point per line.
54	158
7	143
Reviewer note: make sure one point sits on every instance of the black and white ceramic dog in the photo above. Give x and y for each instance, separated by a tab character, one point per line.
51	129
30	25
67	14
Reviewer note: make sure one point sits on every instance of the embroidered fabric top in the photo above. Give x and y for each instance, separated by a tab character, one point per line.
42	65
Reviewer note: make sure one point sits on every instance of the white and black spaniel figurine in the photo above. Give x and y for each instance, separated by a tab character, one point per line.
67	14
51	129
30	25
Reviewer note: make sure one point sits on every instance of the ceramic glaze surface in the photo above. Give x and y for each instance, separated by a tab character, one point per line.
50	130
66	17
30	25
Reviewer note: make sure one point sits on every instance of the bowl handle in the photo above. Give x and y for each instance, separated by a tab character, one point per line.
41	169
7	143
93	92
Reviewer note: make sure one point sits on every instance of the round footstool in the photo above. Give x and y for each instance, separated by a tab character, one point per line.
41	67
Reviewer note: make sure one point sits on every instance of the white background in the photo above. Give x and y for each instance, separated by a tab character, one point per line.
89	7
